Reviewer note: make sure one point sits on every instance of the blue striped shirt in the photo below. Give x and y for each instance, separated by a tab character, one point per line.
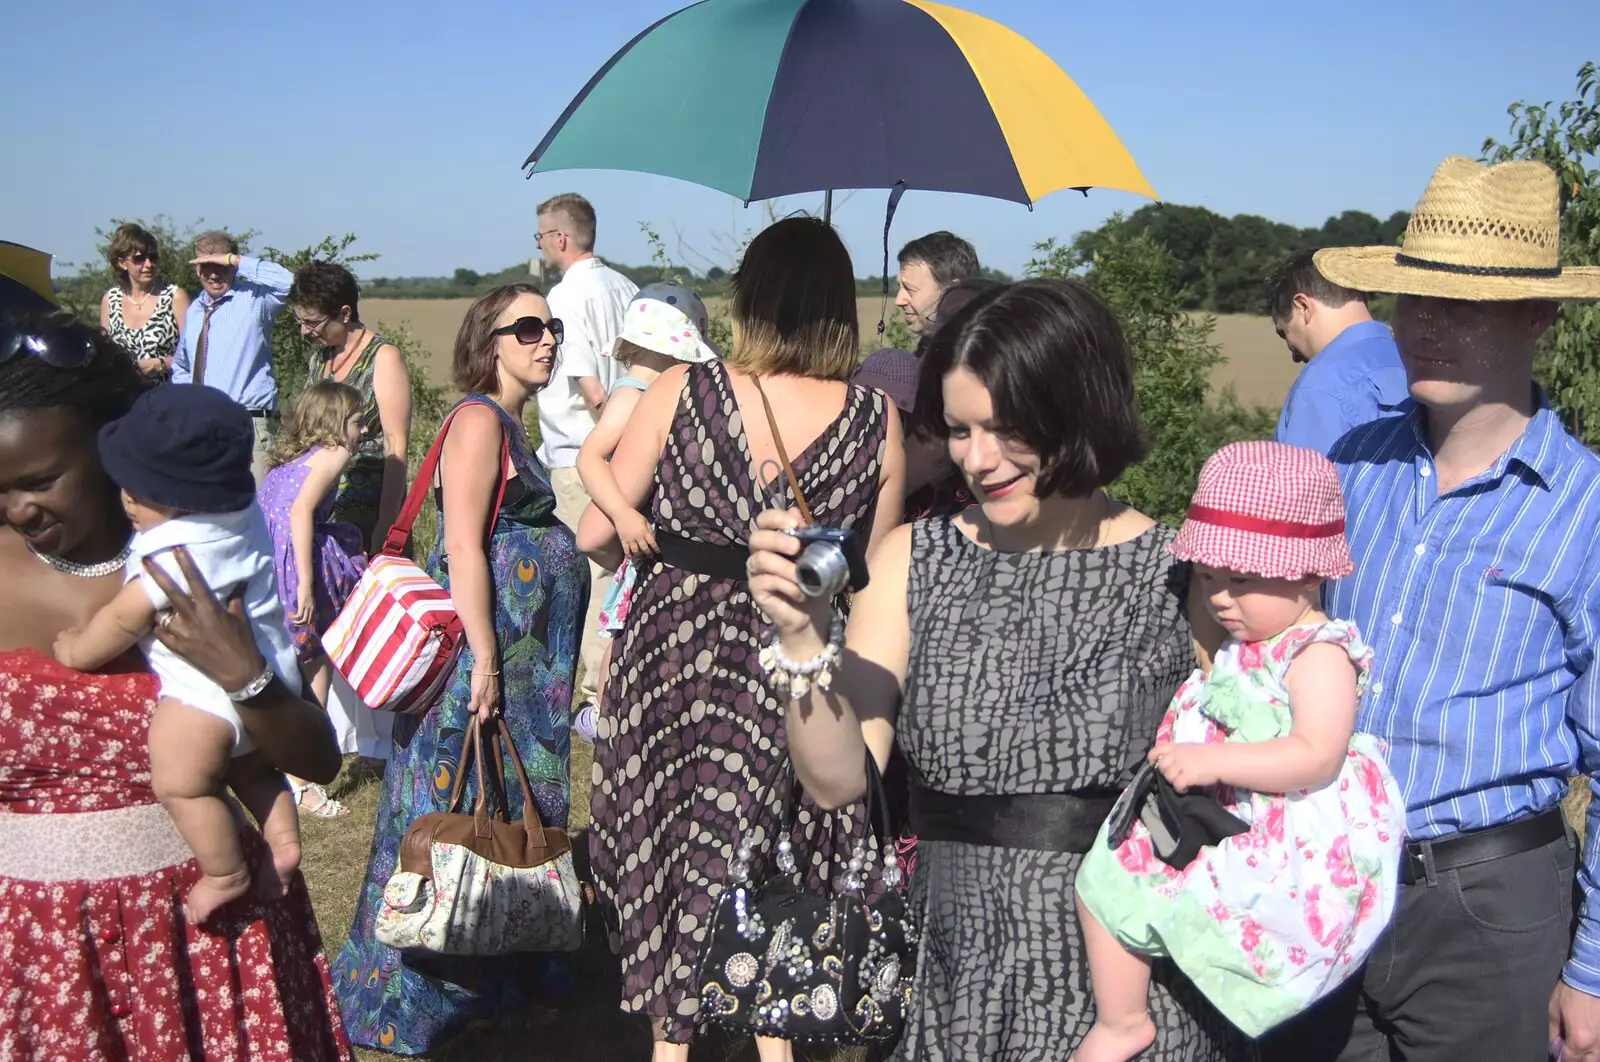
238	358
1482	608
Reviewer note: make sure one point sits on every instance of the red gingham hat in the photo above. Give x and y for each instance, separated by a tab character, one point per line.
1269	509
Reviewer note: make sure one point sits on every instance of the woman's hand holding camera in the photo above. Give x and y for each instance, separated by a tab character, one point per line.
802	622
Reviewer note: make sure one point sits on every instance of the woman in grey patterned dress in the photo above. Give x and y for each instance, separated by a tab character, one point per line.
1022	653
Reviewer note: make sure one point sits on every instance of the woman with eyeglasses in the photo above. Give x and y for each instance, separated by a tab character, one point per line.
97	960
520	586
324	299
142	313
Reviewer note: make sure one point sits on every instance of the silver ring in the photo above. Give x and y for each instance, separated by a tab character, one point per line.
166	620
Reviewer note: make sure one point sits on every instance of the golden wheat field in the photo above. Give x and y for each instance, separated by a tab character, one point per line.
1256	364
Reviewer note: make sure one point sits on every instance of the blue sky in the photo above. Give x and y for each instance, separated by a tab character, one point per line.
406	122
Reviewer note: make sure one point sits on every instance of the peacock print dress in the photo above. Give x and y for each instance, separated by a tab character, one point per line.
409	1004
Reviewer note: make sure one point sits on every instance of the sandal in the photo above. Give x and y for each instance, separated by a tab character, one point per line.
325	808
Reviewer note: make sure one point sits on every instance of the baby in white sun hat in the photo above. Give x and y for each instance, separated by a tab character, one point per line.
665	324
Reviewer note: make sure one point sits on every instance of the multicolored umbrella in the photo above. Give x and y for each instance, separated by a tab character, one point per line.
766	98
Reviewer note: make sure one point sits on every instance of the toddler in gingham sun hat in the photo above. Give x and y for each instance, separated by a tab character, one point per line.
1273	918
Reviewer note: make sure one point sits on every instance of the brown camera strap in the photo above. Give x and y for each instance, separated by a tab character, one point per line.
783	455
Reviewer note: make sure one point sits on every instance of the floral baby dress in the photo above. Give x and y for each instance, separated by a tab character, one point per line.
1271	920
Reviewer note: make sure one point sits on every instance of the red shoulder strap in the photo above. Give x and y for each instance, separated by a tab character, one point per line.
394	543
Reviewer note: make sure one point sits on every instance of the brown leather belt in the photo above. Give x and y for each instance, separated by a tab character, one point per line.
1457	850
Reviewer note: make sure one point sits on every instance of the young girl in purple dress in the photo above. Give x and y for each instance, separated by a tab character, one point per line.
318	561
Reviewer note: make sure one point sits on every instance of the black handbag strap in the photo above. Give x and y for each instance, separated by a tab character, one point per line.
875	818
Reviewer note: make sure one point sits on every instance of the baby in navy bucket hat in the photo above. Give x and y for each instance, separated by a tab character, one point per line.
182	458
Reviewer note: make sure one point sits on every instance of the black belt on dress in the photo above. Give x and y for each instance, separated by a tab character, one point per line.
1047	822
703	558
1457	850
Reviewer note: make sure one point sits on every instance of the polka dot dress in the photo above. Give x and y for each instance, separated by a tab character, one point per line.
690	734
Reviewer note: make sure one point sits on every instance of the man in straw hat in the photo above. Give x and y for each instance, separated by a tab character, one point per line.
1473	521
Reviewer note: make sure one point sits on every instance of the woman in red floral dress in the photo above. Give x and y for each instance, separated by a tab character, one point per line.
96	960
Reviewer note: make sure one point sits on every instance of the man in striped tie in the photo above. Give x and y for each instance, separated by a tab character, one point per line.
227	329
1472	521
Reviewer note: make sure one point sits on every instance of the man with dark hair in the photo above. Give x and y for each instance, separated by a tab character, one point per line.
928	266
590	300
1353	372
227	330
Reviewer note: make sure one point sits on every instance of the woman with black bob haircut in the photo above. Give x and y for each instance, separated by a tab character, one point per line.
92	872
1022	653
1059	374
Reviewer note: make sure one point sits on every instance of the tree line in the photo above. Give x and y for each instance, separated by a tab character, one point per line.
1223	263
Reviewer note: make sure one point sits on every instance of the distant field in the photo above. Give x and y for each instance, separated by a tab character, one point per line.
1257	366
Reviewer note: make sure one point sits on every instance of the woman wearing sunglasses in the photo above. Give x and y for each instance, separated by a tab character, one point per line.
96	958
141	312
521	587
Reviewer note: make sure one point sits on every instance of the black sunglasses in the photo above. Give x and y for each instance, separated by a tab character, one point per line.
529	330
65	347
59	340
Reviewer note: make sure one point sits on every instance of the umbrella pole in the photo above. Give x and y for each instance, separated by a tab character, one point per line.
827	206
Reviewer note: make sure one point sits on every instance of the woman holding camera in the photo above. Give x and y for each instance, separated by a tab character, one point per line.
1022	653
690	731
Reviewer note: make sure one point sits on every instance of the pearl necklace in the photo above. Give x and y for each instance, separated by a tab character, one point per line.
85	571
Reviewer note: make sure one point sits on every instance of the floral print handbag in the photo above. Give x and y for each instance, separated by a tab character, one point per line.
481	884
781	961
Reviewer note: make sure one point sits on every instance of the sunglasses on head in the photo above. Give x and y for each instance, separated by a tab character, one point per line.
529	330
68	346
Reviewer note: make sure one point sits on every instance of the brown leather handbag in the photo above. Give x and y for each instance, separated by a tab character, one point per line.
481	884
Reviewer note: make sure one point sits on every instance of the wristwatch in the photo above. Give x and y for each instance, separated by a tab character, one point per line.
254	687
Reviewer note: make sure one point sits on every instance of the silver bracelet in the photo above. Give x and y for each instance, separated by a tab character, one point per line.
796	677
254	687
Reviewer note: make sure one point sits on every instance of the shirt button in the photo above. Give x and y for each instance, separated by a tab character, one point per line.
1377	687
1425	471
1420	549
1395	618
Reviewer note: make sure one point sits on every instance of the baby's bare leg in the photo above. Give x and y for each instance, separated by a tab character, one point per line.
265	792
1121	982
190	752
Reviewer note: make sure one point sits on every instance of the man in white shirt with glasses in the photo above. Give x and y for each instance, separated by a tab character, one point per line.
590	300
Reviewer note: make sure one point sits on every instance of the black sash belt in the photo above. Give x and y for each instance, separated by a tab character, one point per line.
1047	822
702	558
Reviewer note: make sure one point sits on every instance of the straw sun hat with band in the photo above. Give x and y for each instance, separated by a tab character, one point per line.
1480	234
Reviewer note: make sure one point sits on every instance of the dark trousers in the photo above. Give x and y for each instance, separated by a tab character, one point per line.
1464	972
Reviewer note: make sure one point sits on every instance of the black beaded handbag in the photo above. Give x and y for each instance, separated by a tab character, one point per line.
781	961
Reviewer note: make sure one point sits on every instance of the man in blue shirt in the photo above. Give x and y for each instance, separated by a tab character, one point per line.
227	330
1352	371
1472	521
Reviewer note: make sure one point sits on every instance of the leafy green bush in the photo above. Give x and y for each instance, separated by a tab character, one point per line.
1567	140
1173	355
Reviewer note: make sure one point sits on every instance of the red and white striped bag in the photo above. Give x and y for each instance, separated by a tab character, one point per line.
397	637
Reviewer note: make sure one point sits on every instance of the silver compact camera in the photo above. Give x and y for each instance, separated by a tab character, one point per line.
832	561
